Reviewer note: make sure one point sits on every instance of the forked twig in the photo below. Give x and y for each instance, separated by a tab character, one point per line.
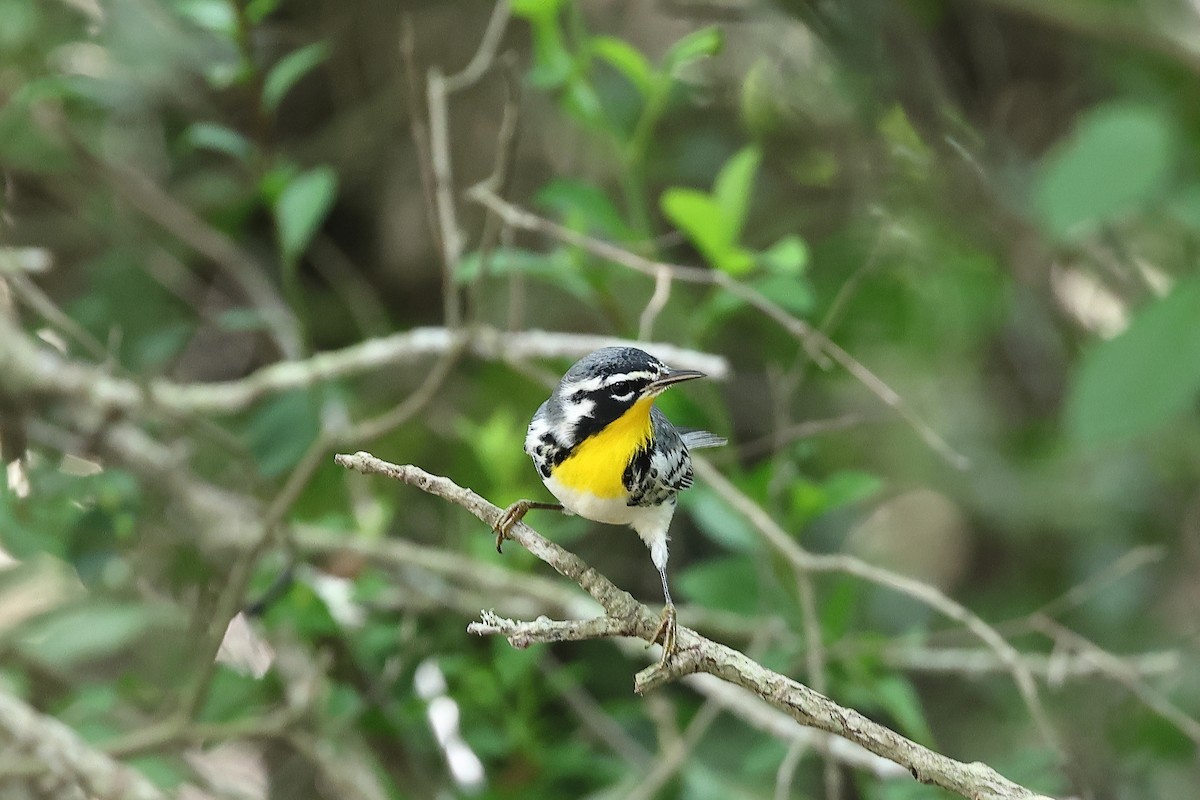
625	616
818	345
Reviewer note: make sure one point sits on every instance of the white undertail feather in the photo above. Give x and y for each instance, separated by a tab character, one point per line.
699	440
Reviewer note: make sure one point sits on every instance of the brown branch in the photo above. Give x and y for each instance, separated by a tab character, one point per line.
28	367
625	616
803	560
59	755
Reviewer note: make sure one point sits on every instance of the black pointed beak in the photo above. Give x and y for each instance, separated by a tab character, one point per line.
673	377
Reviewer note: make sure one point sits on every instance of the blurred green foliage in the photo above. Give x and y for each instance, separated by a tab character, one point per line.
994	207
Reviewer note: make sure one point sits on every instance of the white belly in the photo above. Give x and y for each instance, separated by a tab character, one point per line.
651	522
614	510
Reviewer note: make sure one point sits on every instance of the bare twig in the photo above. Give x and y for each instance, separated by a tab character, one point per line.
537	594
933	598
698	654
658	301
438	89
814	659
183	223
817	343
32	295
1120	671
485	56
673	752
418	127
592	715
27	365
499	180
801	430
375	427
1079	594
973	662
66	759
443	195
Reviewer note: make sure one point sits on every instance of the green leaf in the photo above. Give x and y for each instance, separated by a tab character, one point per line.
584	207
810	500
717	520
218	139
899	699
848	486
551	268
701	219
1144	377
536	8
1118	158
791	294
20	23
301	208
496	443
731	189
581	100
788	256
233	695
258	10
552	63
730	584
693	47
626	59
714	222
288	72
898	131
97	630
280	432
698	216
217	16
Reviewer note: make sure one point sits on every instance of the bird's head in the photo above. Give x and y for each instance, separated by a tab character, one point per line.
612	380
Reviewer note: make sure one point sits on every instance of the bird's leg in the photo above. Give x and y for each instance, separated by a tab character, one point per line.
514	514
666	628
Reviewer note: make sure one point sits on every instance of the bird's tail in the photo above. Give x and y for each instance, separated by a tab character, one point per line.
698	440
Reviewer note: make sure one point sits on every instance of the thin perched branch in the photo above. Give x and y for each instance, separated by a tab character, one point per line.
626	616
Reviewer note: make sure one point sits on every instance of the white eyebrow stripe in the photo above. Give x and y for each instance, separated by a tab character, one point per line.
628	376
585	385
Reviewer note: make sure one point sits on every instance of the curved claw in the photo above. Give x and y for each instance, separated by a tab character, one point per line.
504	523
514	514
666	634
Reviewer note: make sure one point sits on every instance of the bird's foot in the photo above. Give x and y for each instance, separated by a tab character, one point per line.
511	516
514	514
666	634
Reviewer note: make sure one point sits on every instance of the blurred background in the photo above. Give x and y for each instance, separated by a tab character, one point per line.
943	273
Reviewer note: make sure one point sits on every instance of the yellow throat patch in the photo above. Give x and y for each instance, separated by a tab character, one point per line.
599	462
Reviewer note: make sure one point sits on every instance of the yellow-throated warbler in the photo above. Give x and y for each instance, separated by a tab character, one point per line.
609	455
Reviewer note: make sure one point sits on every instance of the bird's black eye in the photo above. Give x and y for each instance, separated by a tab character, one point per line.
621	389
